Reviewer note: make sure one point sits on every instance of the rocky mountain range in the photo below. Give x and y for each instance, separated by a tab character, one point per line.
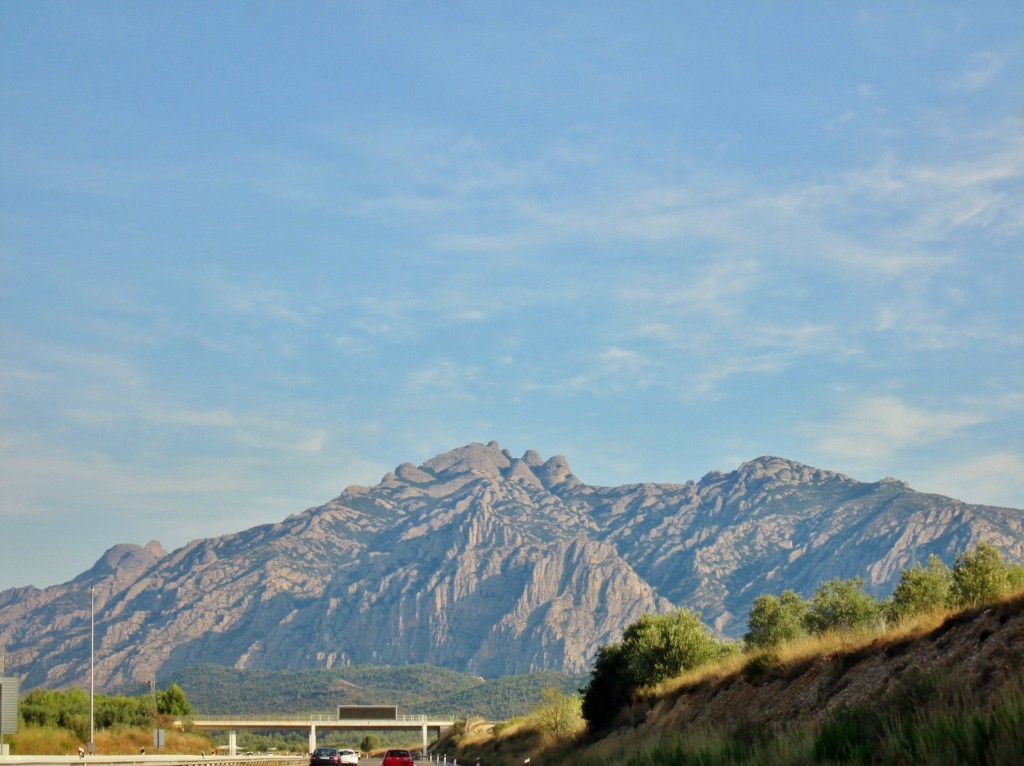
486	563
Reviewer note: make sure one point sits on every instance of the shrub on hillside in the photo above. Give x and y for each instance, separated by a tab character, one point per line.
776	620
921	589
609	689
370	743
842	605
979	577
654	648
661	646
559	716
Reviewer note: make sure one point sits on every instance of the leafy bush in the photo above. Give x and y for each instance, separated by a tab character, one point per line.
758	666
69	709
560	715
775	620
660	646
609	689
842	605
370	743
654	648
920	590
979	577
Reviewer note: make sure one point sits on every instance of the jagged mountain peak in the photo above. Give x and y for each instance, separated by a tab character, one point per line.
480	560
770	471
488	460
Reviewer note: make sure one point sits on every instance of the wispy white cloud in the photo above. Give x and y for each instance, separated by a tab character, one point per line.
705	381
715	291
610	371
445	378
867	90
243	296
982	68
987	478
876	429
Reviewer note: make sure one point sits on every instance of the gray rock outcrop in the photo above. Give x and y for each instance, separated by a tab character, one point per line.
484	562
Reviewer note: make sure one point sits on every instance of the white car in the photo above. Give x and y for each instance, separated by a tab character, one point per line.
349	756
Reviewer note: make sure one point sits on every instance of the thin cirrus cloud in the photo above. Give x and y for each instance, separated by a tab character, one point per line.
983	67
876	429
443	377
983	478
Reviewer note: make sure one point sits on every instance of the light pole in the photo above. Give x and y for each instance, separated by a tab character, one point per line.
92	667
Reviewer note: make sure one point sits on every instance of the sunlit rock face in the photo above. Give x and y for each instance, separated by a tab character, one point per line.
484	562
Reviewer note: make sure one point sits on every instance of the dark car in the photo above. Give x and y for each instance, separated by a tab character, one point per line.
397	758
325	756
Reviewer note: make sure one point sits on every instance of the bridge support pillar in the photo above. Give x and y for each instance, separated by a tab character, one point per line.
232	743
312	737
423	728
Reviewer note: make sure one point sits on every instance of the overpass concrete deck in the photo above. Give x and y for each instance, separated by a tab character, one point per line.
232	724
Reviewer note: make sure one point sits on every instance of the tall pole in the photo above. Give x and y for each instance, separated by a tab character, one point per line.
92	668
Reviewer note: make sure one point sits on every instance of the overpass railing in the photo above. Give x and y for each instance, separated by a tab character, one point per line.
411	719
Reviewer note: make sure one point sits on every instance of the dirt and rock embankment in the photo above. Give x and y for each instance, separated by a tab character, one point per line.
977	652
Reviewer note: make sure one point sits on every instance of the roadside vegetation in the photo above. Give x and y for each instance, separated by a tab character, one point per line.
927	718
56	721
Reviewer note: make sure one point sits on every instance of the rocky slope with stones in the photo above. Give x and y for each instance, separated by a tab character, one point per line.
487	563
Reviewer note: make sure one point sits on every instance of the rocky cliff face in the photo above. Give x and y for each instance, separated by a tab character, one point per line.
487	563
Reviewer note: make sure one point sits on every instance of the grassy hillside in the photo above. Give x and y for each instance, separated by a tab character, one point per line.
946	689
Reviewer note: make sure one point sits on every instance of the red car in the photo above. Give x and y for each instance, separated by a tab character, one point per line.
397	758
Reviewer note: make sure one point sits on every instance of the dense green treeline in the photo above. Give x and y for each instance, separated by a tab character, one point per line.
69	709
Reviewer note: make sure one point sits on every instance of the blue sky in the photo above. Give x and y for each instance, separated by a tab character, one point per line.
254	252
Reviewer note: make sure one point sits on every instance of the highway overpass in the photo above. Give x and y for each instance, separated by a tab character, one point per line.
232	724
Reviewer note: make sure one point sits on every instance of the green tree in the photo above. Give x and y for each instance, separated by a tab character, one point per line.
774	620
609	689
370	743
979	577
654	648
842	605
661	646
172	701
55	707
1016	577
560	715
123	711
921	589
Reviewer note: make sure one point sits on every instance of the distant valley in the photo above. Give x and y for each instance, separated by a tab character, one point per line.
484	563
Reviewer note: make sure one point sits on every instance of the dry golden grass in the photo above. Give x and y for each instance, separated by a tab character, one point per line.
793	655
706	674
